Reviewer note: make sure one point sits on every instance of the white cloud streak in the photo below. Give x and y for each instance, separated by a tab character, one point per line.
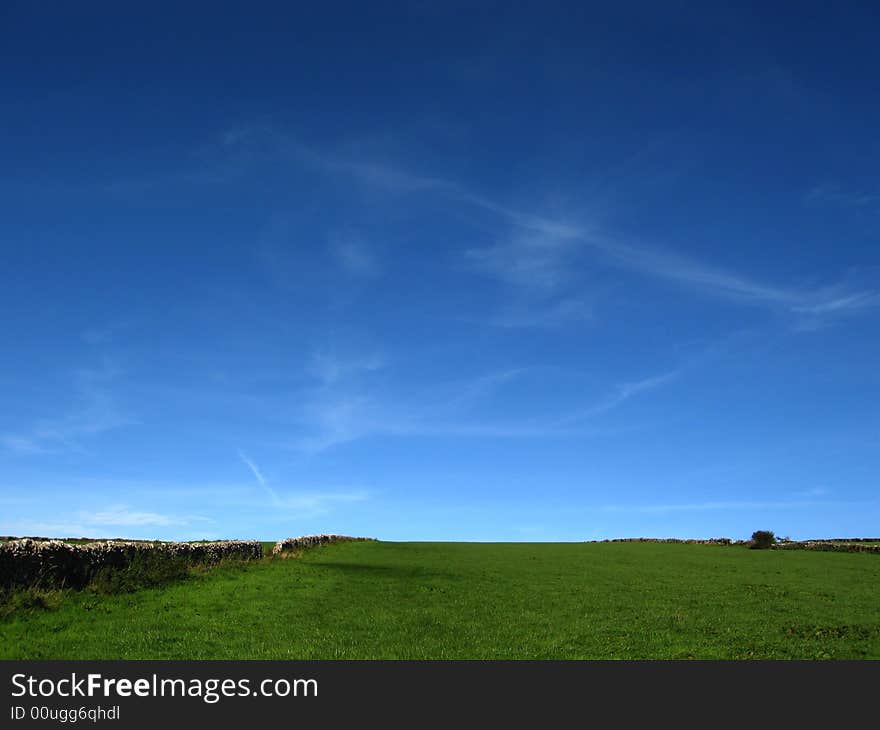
546	262
258	475
621	394
538	255
560	311
302	504
329	367
535	261
99	523
335	418
123	516
337	415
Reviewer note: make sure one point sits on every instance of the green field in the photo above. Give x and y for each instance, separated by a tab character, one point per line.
371	600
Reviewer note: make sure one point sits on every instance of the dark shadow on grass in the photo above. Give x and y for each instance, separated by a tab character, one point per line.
388	571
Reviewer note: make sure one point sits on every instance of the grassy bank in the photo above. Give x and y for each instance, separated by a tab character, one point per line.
470	601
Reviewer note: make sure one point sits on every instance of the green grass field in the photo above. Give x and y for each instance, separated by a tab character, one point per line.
371	600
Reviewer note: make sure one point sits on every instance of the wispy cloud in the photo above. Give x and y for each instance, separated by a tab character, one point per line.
300	503
45	528
829	193
100	523
274	499
669	265
312	504
532	261
338	415
542	254
621	394
546	262
95	412
814	492
539	262
303	504
102	335
250	142
24	445
258	475
123	516
847	302
329	366
380	175
335	418
466	393
628	390
558	312
354	256
549	228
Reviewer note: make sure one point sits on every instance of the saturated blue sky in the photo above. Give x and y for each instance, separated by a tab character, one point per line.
538	271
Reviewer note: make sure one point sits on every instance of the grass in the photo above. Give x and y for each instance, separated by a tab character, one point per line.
371	600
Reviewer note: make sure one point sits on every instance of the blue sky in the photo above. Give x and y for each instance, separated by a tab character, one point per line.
439	271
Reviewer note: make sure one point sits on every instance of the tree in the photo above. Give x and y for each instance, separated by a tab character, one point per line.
762	540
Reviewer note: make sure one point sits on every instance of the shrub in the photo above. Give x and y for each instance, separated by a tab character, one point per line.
146	570
762	540
13	601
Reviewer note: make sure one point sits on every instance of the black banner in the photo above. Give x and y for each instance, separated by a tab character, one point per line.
149	694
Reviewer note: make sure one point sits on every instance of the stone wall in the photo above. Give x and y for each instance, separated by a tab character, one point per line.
854	547
845	539
293	544
57	564
710	541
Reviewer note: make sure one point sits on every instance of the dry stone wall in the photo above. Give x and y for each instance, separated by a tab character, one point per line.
293	544
855	545
57	564
845	539
710	541
836	547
